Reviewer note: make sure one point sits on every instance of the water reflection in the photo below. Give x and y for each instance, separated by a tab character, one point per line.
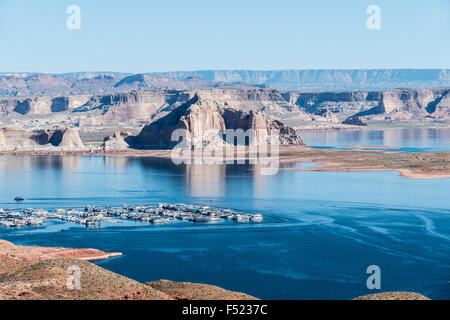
114	180
116	163
198	180
406	139
333	216
205	180
67	163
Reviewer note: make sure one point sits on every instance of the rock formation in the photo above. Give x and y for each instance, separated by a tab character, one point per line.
40	105
294	80
42	139
42	84
410	104
200	117
117	141
356	121
70	139
33	84
327	115
327	79
2	141
298	109
130	111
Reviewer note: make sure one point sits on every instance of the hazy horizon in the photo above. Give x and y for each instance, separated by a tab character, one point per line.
220	70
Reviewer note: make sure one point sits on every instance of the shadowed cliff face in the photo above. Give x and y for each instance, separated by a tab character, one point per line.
200	116
39	105
37	140
59	104
411	104
296	109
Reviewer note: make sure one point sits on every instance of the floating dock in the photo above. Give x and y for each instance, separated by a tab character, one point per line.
93	216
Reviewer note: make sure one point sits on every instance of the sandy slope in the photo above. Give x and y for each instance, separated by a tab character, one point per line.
394	295
42	273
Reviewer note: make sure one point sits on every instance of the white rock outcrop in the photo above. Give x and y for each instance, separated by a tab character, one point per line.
205	121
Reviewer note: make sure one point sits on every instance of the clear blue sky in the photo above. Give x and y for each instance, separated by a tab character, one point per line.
168	35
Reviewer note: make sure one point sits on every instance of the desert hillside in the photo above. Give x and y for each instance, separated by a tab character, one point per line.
42	273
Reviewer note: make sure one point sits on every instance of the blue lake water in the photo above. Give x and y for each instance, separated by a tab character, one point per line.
337	224
401	139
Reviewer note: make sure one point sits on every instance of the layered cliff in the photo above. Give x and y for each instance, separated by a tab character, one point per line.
206	121
310	80
327	79
37	140
133	105
3	144
136	108
410	104
40	105
42	84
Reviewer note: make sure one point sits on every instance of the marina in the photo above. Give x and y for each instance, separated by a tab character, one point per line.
315	224
93	216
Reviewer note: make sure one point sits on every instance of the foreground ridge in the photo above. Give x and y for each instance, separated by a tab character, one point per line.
41	273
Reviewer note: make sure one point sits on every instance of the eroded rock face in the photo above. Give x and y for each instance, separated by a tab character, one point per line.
298	109
36	140
356	121
327	115
117	141
200	116
440	107
131	106
42	105
2	140
70	139
410	104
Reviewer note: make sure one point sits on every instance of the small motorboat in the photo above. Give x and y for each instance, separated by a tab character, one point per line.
19	198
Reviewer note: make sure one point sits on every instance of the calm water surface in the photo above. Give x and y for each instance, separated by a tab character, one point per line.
401	139
337	224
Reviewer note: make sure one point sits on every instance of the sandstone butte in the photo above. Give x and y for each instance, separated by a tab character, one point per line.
32	272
